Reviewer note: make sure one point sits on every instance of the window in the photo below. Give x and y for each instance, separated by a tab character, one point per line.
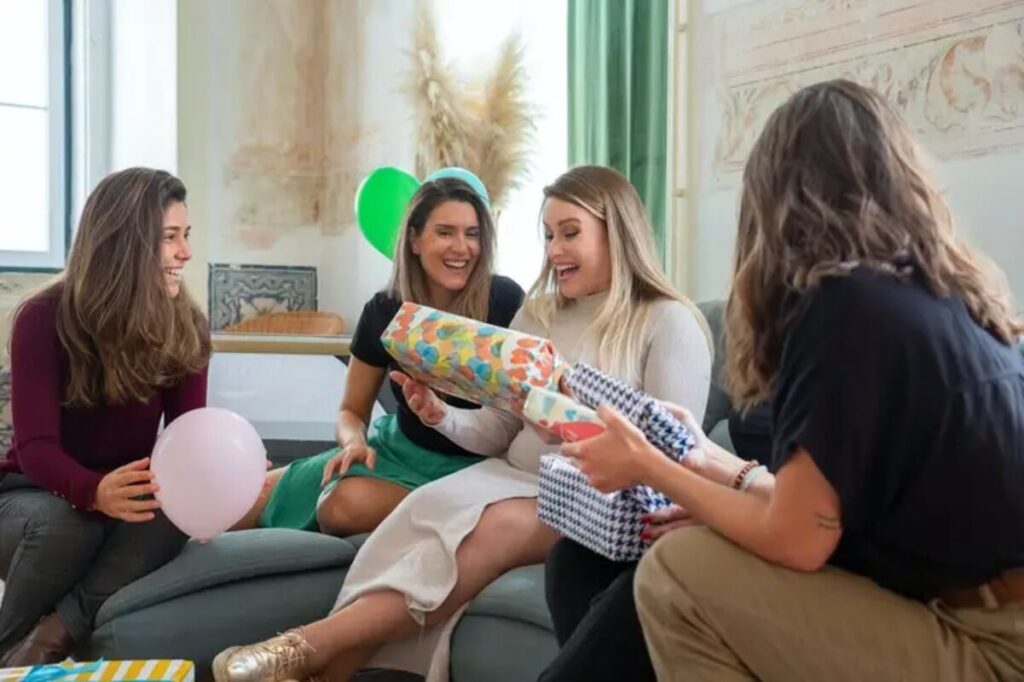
33	134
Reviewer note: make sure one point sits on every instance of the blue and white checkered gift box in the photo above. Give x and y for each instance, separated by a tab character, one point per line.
594	388
606	523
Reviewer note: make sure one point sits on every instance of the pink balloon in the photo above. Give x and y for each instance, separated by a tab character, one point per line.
210	465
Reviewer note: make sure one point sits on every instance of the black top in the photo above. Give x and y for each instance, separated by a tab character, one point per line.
506	297
751	433
915	415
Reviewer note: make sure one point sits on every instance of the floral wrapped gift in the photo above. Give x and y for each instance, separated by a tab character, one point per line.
606	523
469	359
153	670
561	415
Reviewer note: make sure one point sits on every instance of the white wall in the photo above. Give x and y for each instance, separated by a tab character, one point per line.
144	89
470	30
274	136
953	70
245	383
366	77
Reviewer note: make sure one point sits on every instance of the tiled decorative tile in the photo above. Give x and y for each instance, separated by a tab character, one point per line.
238	292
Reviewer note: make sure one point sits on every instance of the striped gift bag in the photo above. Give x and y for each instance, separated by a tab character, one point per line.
153	670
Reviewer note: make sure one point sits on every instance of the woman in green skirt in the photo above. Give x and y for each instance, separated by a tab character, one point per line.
444	258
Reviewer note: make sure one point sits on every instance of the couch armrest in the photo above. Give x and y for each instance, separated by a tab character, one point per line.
229	558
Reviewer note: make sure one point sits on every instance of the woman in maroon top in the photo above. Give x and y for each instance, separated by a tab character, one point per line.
97	359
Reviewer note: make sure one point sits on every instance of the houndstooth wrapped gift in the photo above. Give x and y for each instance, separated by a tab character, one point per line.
469	359
606	523
594	388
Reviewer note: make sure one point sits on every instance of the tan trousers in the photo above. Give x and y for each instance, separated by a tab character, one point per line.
712	611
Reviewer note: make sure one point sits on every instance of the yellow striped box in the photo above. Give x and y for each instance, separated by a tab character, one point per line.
154	670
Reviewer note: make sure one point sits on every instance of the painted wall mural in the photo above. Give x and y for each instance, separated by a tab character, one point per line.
275	60
292	75
955	70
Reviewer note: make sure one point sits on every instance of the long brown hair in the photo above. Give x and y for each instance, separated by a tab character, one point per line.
836	181
124	335
409	279
637	279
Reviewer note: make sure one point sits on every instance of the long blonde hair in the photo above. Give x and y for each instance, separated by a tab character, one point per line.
637	280
409	279
836	181
124	335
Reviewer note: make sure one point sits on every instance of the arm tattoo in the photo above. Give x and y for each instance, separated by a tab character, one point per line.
827	522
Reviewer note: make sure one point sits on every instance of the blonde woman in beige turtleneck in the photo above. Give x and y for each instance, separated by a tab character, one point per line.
601	298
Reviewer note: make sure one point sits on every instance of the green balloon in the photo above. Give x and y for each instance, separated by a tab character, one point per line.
381	202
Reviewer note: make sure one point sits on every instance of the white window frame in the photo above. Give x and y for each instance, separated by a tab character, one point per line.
91	115
680	236
59	135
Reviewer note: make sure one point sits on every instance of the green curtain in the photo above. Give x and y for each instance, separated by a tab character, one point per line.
618	94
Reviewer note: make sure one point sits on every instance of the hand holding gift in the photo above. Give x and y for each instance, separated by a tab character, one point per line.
595	388
595	496
421	399
615	459
665	520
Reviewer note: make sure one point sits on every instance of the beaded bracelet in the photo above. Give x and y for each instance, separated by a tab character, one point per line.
737	480
751	476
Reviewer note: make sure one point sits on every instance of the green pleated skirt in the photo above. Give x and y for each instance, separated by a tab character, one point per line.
293	502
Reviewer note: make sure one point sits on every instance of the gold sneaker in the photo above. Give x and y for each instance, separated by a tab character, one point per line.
284	658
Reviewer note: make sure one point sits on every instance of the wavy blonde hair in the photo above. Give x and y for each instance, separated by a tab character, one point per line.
409	279
124	335
835	181
637	280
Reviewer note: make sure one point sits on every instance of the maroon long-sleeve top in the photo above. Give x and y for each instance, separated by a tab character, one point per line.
67	450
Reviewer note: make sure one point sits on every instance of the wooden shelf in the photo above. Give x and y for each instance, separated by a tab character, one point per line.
290	344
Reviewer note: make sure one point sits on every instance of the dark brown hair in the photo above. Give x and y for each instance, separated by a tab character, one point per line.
836	181
409	280
124	335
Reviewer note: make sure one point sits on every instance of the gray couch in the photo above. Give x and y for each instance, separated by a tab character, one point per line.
243	587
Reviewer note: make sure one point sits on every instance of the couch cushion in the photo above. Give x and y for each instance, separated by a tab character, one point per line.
357	540
500	650
229	558
517	595
718	407
512	611
196	626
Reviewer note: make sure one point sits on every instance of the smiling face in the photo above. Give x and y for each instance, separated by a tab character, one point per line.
448	248
577	249
174	247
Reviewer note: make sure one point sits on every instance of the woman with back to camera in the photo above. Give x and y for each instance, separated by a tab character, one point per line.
887	541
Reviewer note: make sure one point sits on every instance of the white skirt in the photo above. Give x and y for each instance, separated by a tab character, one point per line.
413	552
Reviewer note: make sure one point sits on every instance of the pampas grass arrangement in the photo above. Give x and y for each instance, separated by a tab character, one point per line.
486	129
443	125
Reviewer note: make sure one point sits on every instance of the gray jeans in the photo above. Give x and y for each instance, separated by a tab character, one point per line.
54	559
